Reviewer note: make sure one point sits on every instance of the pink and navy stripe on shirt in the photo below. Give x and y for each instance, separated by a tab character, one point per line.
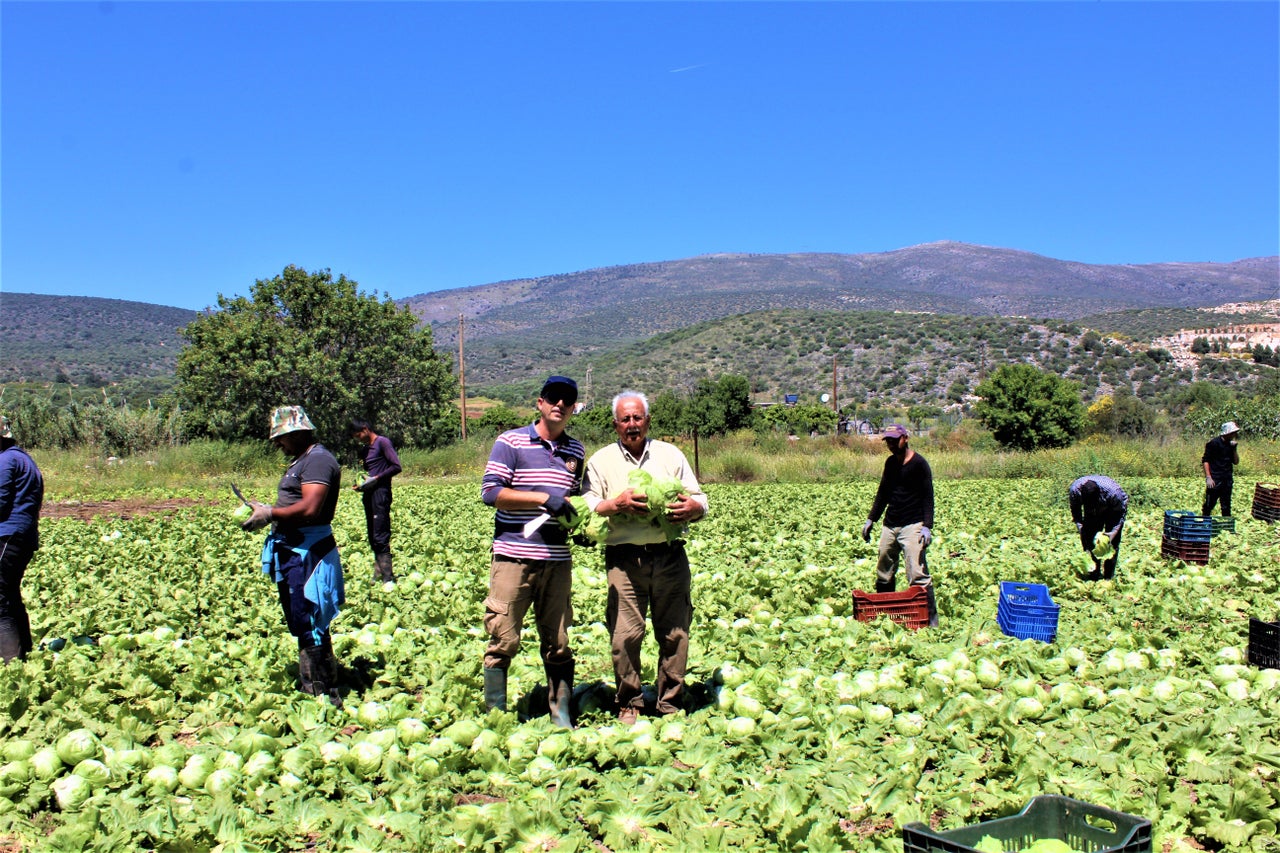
521	460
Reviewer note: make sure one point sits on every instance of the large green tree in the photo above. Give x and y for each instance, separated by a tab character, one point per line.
718	406
1027	408
307	339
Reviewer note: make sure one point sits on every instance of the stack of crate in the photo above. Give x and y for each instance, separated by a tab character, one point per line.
1027	611
1266	502
1186	536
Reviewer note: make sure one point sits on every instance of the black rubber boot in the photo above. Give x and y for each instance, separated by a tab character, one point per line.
318	671
559	693
11	640
886	586
310	670
495	689
383	571
932	603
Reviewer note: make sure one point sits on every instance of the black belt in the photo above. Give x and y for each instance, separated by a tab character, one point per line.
651	548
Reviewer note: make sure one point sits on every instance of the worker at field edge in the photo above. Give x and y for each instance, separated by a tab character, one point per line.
645	571
21	498
378	456
533	470
300	553
1221	455
1099	505
905	496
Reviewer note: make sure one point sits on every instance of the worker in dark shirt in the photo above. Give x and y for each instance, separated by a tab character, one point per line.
21	498
378	456
905	497
1099	505
1219	460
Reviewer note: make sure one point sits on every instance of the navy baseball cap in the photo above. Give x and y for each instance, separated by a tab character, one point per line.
558	388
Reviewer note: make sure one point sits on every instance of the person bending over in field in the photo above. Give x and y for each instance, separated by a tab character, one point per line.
905	497
300	553
531	474
381	463
1099	505
646	569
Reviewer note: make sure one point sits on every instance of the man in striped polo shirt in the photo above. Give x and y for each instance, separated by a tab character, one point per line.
533	471
1099	505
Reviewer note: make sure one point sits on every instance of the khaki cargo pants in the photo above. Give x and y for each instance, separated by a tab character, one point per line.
649	580
514	586
898	542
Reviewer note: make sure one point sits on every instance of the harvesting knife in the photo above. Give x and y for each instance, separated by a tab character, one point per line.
531	527
236	489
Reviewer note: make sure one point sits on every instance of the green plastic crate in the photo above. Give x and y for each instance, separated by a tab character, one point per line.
1084	826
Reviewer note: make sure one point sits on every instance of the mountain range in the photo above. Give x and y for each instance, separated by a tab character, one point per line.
516	330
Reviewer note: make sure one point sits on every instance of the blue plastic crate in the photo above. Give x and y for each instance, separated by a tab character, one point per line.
1017	594
1041	626
1027	611
1187	526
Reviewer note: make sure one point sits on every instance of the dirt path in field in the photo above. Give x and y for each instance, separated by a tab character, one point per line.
124	508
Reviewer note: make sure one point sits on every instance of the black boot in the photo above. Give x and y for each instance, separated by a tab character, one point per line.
495	689
560	692
310	666
11	640
932	604
383	571
318	671
886	586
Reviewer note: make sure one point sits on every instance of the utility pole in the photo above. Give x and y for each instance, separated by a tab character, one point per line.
835	397
462	377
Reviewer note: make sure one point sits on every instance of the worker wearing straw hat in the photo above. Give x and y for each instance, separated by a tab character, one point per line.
1221	455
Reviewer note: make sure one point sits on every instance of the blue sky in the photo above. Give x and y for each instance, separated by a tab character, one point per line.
168	152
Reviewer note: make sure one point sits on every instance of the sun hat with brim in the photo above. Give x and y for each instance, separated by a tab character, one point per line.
287	419
895	431
558	388
6	429
1229	427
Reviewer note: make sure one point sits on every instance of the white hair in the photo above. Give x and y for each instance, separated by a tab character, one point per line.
644	401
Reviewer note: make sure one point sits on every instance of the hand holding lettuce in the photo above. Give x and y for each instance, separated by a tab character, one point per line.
657	492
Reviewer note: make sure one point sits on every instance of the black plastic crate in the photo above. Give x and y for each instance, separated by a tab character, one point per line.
1264	644
1083	826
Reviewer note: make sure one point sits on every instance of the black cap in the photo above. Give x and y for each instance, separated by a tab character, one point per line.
558	388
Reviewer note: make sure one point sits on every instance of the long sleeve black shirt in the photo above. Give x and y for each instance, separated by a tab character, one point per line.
907	491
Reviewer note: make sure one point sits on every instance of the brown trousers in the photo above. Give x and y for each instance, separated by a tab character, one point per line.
514	586
646	580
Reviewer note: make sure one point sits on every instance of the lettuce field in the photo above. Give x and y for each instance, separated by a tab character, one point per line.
159	711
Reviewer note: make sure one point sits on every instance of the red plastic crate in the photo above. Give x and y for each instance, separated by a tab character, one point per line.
1188	552
909	608
1266	495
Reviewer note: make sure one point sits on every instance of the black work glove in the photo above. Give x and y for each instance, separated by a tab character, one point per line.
559	507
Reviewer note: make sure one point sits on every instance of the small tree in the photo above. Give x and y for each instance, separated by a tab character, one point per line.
305	339
920	412
1027	408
